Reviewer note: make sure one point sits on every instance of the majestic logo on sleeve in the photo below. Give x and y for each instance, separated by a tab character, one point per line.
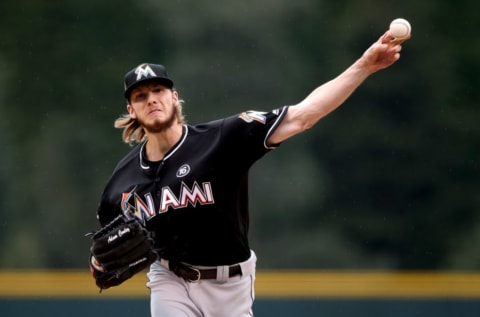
144	207
250	116
144	71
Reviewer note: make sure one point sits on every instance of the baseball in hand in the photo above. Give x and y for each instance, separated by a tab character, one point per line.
400	28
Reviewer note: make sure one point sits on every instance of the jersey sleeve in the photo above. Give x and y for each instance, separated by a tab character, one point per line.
246	133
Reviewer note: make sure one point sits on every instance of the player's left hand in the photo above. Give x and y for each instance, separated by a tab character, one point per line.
119	250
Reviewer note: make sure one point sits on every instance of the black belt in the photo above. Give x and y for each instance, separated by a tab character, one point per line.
192	274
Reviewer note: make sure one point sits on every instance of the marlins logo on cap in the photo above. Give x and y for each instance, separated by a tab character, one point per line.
144	72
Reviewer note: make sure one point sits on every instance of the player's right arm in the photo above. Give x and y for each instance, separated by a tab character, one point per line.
330	95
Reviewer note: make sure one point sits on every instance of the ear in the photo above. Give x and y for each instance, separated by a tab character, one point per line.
131	112
175	95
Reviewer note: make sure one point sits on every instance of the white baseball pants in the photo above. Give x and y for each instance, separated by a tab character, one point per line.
172	296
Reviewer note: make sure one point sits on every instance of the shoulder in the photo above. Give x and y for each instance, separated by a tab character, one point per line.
205	127
245	118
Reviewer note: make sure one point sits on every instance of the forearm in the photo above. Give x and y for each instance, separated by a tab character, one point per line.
333	93
330	95
320	102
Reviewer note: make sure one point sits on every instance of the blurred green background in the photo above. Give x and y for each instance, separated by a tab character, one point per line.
388	181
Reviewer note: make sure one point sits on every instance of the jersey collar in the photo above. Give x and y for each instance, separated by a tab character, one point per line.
143	162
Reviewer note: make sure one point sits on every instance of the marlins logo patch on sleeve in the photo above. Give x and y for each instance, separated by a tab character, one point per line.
250	116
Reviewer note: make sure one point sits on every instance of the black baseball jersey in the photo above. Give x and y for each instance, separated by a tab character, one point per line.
195	200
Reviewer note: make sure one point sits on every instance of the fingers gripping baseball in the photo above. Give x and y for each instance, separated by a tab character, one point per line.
384	52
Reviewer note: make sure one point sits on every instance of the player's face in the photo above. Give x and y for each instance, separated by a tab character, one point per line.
153	106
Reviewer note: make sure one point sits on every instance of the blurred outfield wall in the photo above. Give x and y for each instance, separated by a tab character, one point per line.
279	293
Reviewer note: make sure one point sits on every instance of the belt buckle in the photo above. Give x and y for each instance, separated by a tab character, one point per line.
199	275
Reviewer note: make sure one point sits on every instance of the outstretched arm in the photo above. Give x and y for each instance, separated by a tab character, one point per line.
333	93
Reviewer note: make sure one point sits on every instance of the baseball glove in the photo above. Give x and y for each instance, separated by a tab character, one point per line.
120	250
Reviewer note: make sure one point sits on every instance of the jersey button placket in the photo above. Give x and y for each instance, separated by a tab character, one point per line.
157	179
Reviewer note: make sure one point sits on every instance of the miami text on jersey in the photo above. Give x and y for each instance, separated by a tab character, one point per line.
144	208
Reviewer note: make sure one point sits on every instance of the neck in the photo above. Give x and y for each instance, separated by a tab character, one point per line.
160	143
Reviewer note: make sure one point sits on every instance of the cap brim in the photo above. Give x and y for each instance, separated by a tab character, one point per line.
162	80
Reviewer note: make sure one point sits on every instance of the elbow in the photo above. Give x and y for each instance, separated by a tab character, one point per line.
305	117
300	120
301	127
307	125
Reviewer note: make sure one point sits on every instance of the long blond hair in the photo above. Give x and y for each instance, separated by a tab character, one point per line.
133	132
